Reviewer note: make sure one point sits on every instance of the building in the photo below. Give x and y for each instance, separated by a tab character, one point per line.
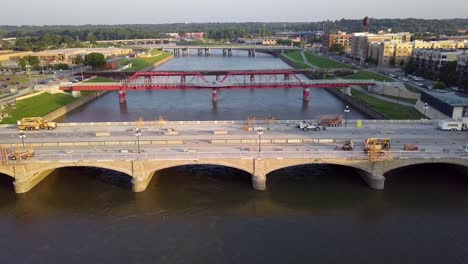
361	42
435	58
462	64
194	35
11	55
66	55
174	35
299	36
451	104
268	41
339	38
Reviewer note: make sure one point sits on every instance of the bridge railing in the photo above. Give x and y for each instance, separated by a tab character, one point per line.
193	155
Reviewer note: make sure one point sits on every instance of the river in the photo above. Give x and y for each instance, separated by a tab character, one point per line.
197	105
211	214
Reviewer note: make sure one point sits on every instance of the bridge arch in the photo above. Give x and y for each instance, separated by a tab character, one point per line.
188	163
273	166
55	166
407	163
7	173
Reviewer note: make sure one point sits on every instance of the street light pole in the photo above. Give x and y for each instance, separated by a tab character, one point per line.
138	134
346	115
22	135
260	133
425	106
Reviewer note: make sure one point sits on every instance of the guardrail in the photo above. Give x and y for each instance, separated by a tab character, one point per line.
319	155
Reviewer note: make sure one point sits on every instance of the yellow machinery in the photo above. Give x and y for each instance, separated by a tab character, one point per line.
35	123
378	149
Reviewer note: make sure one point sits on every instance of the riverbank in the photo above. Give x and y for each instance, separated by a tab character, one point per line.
84	99
375	107
37	105
147	63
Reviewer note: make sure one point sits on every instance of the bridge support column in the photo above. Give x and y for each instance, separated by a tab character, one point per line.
122	97
183	80
259	175
375	177
287	77
252	78
306	94
76	94
207	51
347	91
186	52
229	52
24	183
224	52
141	178
214	95
200	52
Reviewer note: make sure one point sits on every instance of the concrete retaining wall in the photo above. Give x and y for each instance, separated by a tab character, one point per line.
73	105
158	63
358	104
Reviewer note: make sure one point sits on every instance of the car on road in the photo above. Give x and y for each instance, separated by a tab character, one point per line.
419	84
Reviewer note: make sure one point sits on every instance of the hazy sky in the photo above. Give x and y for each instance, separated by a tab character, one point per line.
50	12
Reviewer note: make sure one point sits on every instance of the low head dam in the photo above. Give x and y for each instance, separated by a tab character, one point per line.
158	146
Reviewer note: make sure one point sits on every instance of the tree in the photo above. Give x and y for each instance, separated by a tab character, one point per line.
91	38
95	60
402	63
32	61
338	48
78	60
411	66
392	62
448	73
440	85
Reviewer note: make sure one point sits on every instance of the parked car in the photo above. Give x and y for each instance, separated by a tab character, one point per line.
419	84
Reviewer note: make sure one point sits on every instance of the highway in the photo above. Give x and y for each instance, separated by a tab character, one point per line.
195	140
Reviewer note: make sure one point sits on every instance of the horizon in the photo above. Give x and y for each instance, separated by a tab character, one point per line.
108	12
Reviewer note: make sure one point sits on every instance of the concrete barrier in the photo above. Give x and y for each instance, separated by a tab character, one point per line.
72	106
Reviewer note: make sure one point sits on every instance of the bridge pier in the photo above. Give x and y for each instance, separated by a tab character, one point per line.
214	95
24	184
259	175
176	52
185	52
306	94
183	80
207	51
252	53
200	52
224	52
229	52
122	96
375	181
287	77
252	78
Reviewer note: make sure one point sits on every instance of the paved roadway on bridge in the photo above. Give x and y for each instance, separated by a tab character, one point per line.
197	141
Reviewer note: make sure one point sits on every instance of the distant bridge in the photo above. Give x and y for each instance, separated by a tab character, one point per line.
240	79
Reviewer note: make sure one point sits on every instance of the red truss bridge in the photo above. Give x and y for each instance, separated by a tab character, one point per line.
215	80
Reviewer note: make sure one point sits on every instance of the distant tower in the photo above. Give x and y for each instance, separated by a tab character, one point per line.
365	24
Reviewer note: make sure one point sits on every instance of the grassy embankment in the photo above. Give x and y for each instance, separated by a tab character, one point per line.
391	110
297	59
99	79
141	63
38	105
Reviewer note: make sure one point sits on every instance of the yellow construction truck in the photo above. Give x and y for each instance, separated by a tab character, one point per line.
378	149
35	123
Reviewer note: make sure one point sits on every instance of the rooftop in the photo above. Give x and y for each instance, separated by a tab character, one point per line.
451	98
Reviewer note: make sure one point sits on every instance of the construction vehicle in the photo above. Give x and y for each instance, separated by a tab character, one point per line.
304	125
378	149
331	121
348	146
35	123
410	147
21	155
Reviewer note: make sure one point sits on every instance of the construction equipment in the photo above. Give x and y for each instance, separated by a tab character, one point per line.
348	146
304	125
331	121
410	147
21	155
35	123
378	149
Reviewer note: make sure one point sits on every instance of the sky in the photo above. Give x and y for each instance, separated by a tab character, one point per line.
54	12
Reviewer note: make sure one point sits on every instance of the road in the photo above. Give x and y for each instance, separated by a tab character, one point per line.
79	141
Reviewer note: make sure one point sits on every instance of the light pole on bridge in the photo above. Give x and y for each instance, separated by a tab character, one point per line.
425	106
260	133
22	135
138	134
346	115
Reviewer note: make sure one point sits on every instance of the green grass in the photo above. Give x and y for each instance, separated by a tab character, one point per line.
99	79
141	63
295	55
39	105
367	75
391	110
324	63
406	100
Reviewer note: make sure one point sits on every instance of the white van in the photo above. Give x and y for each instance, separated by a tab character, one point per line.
450	125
